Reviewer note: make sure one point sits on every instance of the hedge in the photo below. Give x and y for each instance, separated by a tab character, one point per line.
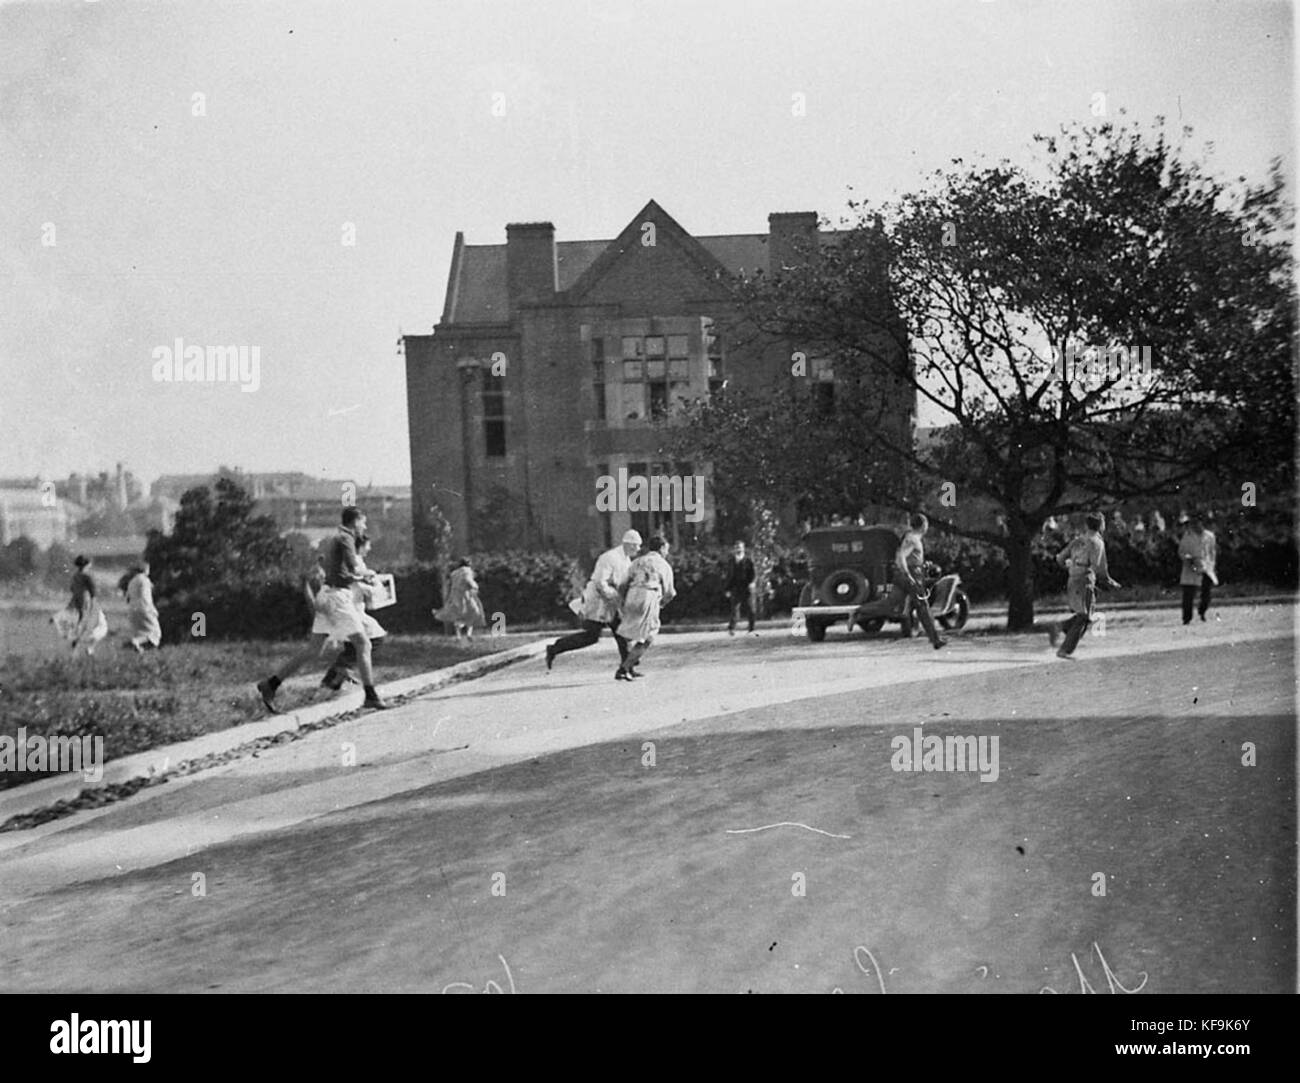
531	588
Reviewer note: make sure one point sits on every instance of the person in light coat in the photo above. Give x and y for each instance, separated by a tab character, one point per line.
144	628
1198	553
649	587
464	610
600	601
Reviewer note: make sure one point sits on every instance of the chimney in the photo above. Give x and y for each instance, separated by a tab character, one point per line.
793	239
531	273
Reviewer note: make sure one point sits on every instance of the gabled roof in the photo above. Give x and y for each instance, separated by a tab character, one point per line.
476	291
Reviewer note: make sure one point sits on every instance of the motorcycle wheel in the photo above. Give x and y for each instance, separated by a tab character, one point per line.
958	620
872	626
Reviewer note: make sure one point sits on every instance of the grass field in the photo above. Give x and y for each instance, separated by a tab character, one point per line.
137	702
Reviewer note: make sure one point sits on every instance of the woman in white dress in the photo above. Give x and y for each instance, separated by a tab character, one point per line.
649	588
463	609
143	614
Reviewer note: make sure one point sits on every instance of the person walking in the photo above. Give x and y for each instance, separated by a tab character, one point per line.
910	568
463	610
649	588
338	616
1197	552
82	622
740	587
1085	558
142	614
600	600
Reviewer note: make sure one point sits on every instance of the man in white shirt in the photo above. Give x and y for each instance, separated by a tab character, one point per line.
1198	553
600	600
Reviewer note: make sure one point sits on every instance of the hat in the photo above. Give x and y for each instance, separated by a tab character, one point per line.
631	538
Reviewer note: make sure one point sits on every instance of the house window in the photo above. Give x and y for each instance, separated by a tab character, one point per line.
598	375
607	522
494	415
669	521
640	519
714	362
823	384
656	376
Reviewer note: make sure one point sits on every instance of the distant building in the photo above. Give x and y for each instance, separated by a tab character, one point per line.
552	359
302	504
35	513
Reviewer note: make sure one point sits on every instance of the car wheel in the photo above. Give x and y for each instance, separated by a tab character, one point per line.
872	626
845	586
816	630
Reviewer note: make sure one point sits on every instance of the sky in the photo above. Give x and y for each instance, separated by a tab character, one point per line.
195	171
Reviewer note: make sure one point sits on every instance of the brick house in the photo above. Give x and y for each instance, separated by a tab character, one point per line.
551	360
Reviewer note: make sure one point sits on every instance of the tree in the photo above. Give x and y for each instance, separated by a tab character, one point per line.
1018	299
230	566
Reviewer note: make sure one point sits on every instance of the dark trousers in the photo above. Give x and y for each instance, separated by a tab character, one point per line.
1077	624
589	634
1074	628
1189	599
921	609
740	600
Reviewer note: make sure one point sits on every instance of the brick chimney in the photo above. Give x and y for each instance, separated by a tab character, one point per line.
531	273
793	238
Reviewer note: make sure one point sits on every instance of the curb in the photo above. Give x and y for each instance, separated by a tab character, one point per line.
20	800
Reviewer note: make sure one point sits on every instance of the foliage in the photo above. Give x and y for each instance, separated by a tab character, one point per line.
983	282
230	565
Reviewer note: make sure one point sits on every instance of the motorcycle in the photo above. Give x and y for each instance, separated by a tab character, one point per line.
949	605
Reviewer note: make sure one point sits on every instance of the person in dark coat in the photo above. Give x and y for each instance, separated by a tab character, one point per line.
740	587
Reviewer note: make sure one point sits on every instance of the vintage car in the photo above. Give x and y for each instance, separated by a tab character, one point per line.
850	573
848	566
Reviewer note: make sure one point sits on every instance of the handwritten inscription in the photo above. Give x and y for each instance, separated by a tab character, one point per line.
490	987
861	953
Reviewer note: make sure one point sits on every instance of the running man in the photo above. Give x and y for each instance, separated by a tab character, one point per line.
601	600
1085	557
338	615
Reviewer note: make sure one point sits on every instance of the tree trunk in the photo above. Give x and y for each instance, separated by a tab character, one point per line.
1020	581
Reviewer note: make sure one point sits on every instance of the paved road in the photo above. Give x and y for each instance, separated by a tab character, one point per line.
522	713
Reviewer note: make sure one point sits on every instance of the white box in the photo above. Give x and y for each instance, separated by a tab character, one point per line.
382	593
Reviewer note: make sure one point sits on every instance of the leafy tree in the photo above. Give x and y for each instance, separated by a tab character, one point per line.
990	278
232	566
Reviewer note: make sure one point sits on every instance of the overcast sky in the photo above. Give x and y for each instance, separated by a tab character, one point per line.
227	227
